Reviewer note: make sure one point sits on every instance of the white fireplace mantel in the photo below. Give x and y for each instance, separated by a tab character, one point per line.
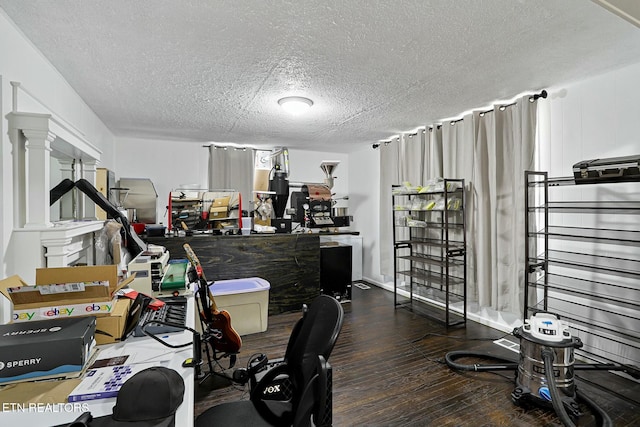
36	138
36	241
61	245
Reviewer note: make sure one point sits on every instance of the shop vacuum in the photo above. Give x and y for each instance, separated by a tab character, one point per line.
545	371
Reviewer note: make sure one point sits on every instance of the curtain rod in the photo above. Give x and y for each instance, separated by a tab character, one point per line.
224	147
532	98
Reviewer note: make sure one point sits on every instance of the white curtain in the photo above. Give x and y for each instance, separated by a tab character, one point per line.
402	159
505	147
434	152
458	139
491	151
231	168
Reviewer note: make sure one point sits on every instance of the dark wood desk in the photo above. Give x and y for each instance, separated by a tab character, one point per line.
289	262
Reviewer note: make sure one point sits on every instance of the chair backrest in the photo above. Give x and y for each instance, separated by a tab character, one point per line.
317	337
295	332
312	339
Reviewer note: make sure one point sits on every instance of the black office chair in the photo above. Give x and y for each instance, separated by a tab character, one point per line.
296	389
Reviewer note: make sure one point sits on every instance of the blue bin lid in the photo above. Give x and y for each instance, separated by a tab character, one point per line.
239	286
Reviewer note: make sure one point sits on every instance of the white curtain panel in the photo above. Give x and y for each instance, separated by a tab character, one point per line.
434	153
401	160
458	153
490	151
504	149
231	168
412	158
412	163
482	218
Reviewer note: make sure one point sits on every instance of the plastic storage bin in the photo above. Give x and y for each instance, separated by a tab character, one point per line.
246	300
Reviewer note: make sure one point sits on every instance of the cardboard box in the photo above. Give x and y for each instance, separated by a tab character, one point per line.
221	202
109	329
219	207
91	273
56	311
93	295
218	213
246	300
45	348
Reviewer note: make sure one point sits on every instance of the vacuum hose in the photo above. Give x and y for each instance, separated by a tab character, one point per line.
556	400
548	357
605	420
450	358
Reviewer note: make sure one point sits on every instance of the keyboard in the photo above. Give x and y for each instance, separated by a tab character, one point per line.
174	311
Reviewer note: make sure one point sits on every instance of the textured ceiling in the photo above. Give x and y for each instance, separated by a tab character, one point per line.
214	70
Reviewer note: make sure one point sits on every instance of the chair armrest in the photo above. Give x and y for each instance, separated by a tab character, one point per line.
323	387
316	399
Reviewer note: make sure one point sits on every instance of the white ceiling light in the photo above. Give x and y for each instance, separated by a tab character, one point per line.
295	105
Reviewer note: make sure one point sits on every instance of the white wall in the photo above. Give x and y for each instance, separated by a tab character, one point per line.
594	118
364	198
304	166
21	62
170	164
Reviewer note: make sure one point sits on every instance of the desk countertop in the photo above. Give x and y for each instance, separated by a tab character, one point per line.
156	239
140	350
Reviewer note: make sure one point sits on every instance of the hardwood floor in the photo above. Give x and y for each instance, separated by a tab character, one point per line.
389	371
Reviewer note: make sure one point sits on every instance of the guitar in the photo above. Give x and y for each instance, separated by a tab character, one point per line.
224	338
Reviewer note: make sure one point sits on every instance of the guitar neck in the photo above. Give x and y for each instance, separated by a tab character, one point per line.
195	262
212	301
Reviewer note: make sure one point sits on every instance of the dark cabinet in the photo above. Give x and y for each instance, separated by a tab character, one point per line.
289	262
335	270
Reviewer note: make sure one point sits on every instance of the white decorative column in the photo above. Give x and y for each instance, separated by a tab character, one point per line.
19	177
67	204
38	157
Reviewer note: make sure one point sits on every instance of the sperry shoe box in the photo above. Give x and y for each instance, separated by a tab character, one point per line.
45	348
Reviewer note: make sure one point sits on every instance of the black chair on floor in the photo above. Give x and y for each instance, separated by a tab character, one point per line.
297	389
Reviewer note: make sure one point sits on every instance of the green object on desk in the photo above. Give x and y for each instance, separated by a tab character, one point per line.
174	277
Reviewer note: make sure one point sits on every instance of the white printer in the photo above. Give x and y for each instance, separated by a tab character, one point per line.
149	267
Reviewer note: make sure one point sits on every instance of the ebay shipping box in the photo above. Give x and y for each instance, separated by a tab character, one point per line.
64	292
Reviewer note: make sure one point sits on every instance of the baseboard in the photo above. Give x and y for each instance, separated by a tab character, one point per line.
498	324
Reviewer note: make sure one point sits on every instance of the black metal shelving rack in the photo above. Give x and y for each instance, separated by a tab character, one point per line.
430	268
583	262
